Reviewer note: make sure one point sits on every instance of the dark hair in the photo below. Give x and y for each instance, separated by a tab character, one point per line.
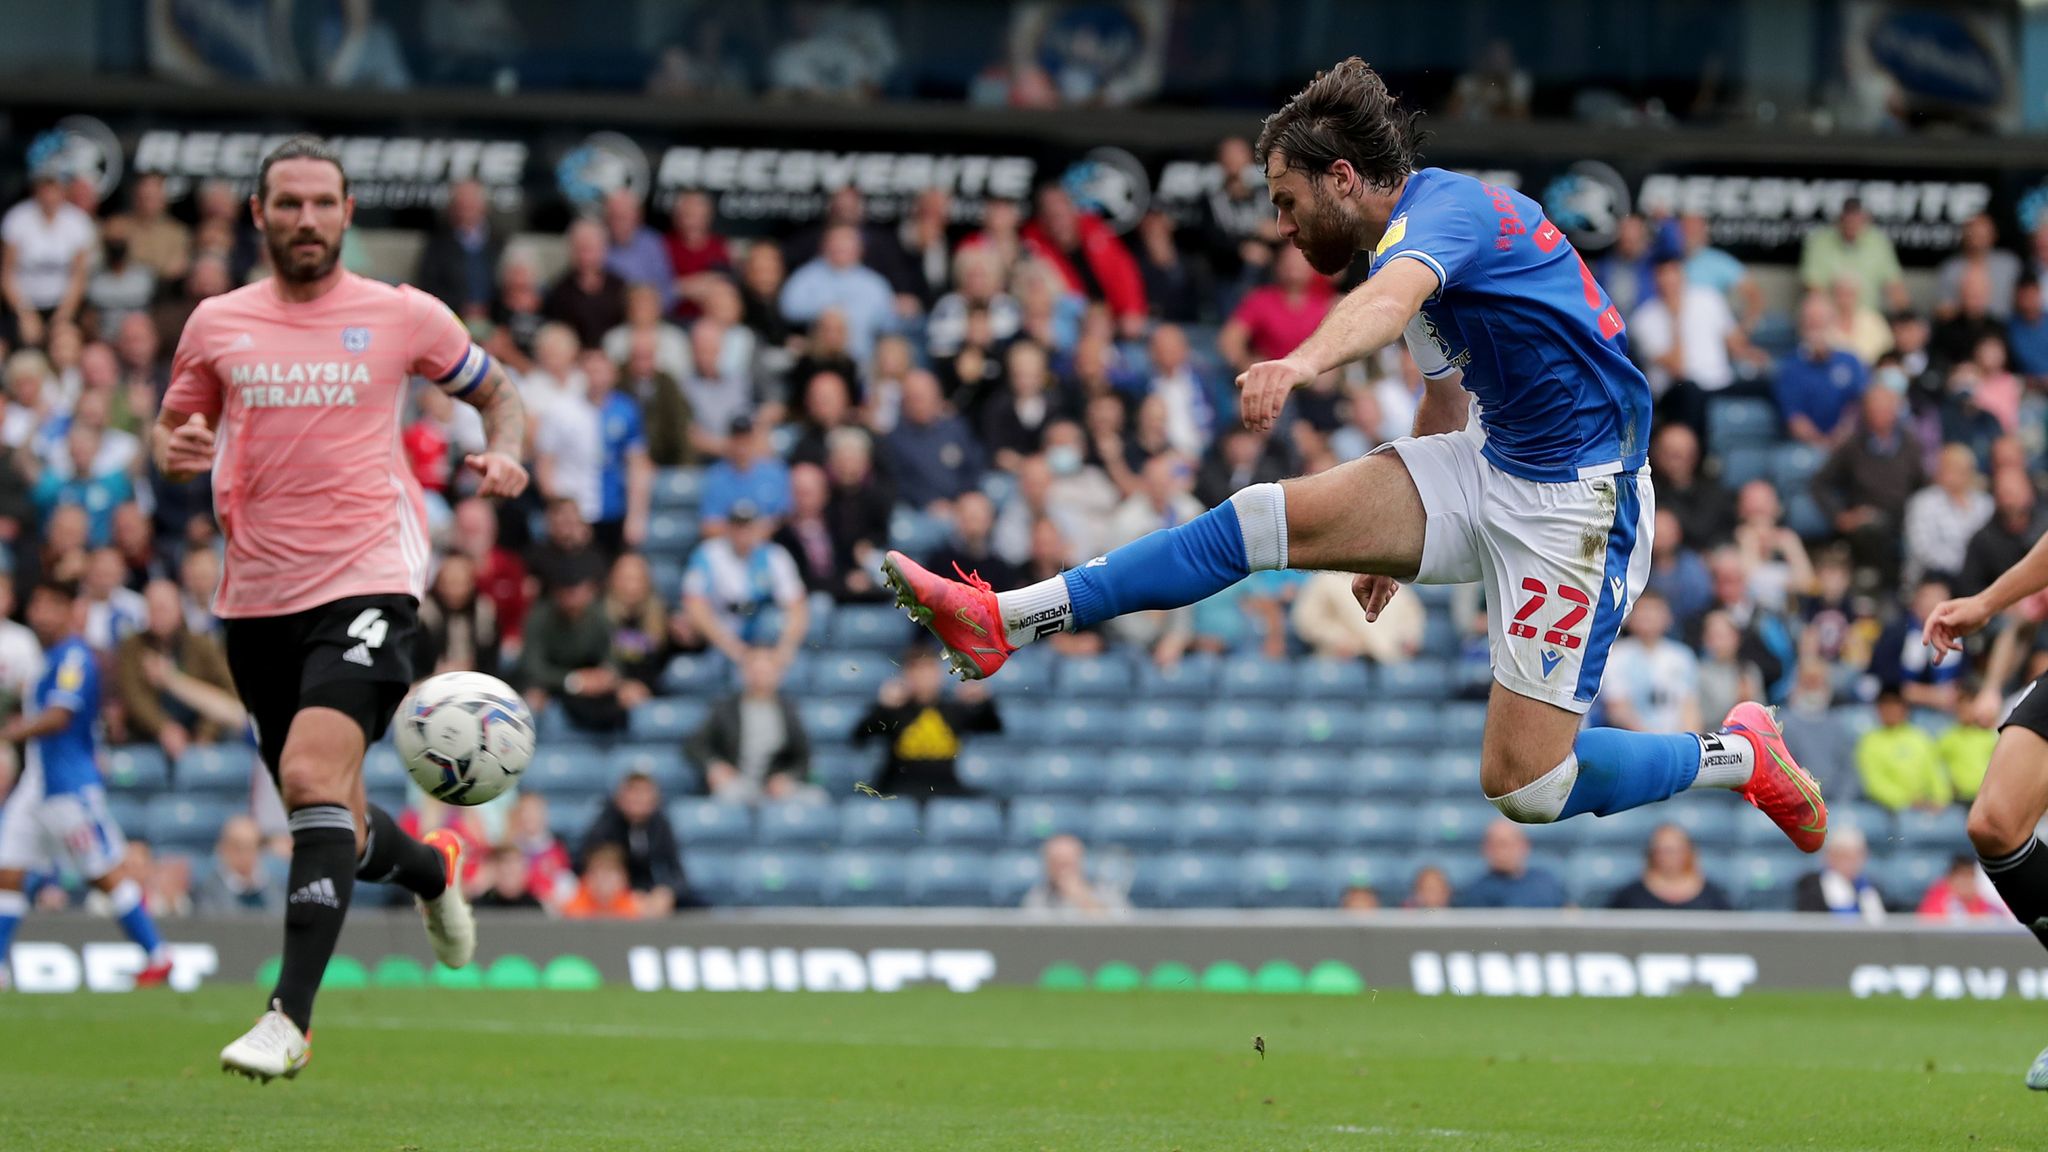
304	146
68	589
1344	114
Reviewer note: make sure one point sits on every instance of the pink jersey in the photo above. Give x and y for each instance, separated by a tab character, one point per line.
311	483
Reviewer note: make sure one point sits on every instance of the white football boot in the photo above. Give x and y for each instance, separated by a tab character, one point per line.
273	1048
2037	1076
450	924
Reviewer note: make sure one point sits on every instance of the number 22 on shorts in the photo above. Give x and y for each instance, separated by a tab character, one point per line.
1562	631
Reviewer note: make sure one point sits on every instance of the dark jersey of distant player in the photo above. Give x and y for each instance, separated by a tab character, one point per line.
71	681
1517	311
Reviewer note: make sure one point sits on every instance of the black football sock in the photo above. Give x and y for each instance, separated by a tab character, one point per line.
2022	878
392	857
322	878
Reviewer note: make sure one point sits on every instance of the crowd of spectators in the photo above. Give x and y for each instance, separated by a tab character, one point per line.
1024	394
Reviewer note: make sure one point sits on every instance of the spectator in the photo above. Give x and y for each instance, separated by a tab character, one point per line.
1998	390
549	874
696	252
1772	554
569	447
752	746
836	279
198	579
636	253
566	653
717	394
807	532
859	508
1065	886
1959	418
1714	268
1725	678
625	474
1430	889
2012	529
112	612
1898	762
1854	247
458	627
1014	420
1979	253
1494	88
826	351
1652	681
828	407
1817	736
1238	459
1965	748
1329	619
98	493
1703	508
761	283
1190	419
927	254
638	621
978	288
671	353
2027	331
518	310
1510	881
1676	571
500	573
931	456
1956	335
1901	660
1859	328
1089	257
1239	237
121	286
509	889
605	893
750	474
1962	893
1626	271
970	547
46	247
1364	424
429	448
589	297
1843	886
1767	638
664	410
924	728
1688	341
1863	487
1671	878
1274	319
1001	235
460	261
1818	383
742	590
136	541
1942	517
554	378
149	712
240	882
156	239
632	823
1176	290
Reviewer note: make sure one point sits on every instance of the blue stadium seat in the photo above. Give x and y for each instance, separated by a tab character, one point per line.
818	633
1903	877
220	768
664	762
1400	725
1097	678
1027	673
139	768
1623	831
1316	774
809	827
667	719
1804	517
854	878
1386	776
666	574
677	489
1453	774
993	772
383	770
1873	820
1027	723
1942	831
1283	880
130	812
964	823
1461	725
1249	678
828	718
941	877
854	674
778	879
1189	880
1088	724
1194	678
670	536
712	823
1212	824
1709	817
1740	420
915	534
697	674
1757	881
1050	773
1011	875
1793	465
1385	872
1373	824
870	626
1034	818
1417	679
1129	773
836	767
1332	726
712	876
1140	825
570	817
1338	681
1222	774
1593	874
1169	724
1241	726
1453	823
188	822
552	723
1742	463
569	770
1292	824
870	822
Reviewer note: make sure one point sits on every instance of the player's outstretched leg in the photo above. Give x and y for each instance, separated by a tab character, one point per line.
1171	568
432	871
2009	806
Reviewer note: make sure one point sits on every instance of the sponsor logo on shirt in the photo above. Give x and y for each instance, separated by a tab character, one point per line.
299	384
1394	234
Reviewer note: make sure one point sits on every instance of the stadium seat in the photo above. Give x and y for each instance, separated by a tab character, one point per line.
664	762
187	822
873	627
1093	725
570	817
712	823
874	823
1332	726
1337	681
916	534
959	822
1452	774
552	723
829	718
1189	880
1740	420
853	878
1758	881
1386	776
224	769
1027	674
383	770
939	877
1454	823
1461	725
1592	875
1708	817
712	876
992	772
1903	877
1793	465
1417	679
1093	678
1033	819
1742	463
1193	678
130	812
697	674
1283	880
853	674
836	767
1400	725
1942	831
567	770
1221	774
1292	824
1624	831
1011	875
1139	825
1241	726
666	574
139	768
1129	773
670	536
1052	773
798	825
1212	824
1873	820
1385	872
778	879
1249	678
1373	824
1313	775
677	489
1166	724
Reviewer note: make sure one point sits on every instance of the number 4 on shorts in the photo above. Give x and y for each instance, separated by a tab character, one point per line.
370	627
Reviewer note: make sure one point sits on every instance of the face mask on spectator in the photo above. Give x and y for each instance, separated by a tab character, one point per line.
1064	459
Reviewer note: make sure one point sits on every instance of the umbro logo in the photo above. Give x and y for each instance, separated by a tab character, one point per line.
1551	659
242	340
360	654
320	891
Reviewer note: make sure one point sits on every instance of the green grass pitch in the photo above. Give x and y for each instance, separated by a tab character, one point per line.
427	1071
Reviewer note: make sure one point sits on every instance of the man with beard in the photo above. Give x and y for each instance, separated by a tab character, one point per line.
290	390
1544	496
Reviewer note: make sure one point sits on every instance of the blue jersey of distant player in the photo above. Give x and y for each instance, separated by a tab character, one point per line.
71	681
1517	311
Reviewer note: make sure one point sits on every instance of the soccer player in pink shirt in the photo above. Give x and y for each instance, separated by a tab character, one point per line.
291	390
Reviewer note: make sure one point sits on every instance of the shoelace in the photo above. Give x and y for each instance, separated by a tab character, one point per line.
972	578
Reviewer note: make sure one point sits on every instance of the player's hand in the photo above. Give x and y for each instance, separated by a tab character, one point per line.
503	475
190	448
1373	592
1263	390
1952	620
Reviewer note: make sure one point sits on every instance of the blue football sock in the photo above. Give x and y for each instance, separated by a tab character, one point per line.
1620	770
134	918
1171	568
13	906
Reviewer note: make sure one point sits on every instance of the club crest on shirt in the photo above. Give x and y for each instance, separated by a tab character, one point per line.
355	339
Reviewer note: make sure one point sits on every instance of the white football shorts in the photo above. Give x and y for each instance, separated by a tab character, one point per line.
38	830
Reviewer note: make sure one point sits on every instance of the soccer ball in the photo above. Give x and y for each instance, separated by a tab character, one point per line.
464	736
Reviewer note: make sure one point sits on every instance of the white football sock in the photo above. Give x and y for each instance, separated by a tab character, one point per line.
1727	760
1040	609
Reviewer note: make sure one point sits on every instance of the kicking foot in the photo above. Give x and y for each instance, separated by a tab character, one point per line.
961	613
2037	1076
273	1048
157	975
450	925
1779	787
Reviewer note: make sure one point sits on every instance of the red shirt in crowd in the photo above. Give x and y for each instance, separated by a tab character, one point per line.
426	448
501	579
708	255
1274	325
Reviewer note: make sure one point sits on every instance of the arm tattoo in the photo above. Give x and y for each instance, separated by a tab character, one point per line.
503	412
